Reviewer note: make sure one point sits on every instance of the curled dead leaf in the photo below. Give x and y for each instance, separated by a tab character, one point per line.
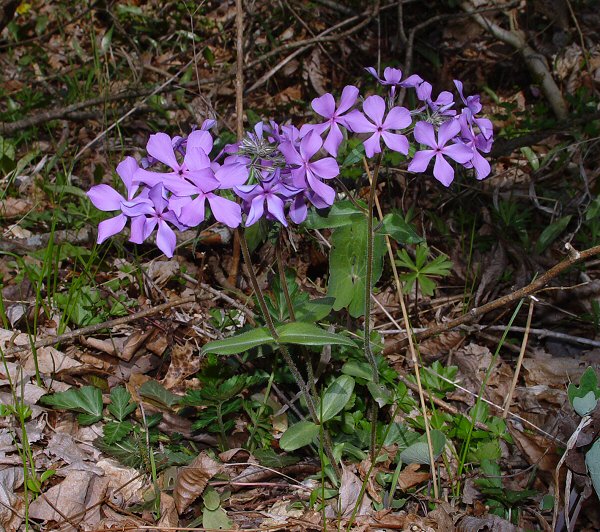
410	476
192	479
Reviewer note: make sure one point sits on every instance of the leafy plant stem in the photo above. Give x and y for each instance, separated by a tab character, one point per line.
310	401
224	445
411	344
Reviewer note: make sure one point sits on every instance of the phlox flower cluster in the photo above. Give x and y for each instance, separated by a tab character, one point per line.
278	171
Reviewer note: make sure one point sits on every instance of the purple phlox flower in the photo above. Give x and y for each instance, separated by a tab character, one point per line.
392	77
308	174
106	198
442	105
290	133
442	171
474	143
195	162
233	172
271	193
472	102
473	106
209	123
325	106
397	118
154	212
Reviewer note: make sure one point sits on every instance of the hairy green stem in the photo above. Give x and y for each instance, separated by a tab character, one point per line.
310	399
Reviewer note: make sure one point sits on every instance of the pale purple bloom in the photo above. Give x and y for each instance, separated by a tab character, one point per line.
392	77
442	105
308	174
474	143
425	134
154	212
397	118
105	198
472	102
271	193
325	106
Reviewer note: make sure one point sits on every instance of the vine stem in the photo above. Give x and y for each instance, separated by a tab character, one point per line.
411	340
310	399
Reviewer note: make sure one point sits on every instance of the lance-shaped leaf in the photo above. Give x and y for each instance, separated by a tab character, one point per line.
336	397
239	343
302	333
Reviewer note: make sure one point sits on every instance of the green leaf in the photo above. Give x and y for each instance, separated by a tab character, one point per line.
358	369
551	233
269	458
239	343
399	229
348	265
336	397
115	431
216	519
157	393
585	405
592	461
418	453
87	400
587	383
120	406
341	214
380	393
298	435
421	269
315	309
354	156
211	498
302	333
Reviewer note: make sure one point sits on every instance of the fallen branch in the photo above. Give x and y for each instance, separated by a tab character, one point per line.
535	286
90	329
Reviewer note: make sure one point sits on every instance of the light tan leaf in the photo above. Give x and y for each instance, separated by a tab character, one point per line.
192	479
184	362
410	476
168	512
487	522
124	483
350	488
11	504
14	207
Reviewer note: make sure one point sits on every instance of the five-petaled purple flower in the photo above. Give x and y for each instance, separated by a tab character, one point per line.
396	119
442	171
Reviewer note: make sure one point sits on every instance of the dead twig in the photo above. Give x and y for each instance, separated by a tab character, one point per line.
533	287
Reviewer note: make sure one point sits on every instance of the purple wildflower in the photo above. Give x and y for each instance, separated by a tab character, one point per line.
392	77
424	134
325	106
475	143
397	118
307	174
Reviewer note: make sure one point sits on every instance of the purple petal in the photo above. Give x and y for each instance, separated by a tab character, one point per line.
195	158
442	170
447	131
151	178
333	140
298	210
105	198
459	152
374	108
326	168
232	175
424	91
204	180
310	145
348	99
319	129
137	207
290	153
157	197
275	207
373	72
412	81
160	147
397	118
257	209
166	239
356	122
395	142
481	165
126	170
180	187
192	211
324	105
392	75
136	234
424	134
420	161
149	225
372	144
200	139
110	227
225	211
325	192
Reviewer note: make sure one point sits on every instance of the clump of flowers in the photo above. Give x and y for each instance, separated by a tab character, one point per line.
278	170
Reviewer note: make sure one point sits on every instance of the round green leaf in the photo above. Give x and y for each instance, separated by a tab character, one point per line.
418	453
336	397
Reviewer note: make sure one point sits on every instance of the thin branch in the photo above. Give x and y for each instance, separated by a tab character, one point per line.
535	286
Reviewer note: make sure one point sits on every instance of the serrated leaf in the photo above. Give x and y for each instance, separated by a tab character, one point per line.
192	479
592	461
157	393
128	451
120	406
399	229
418	452
298	435
348	265
336	397
551	233
239	343
87	400
341	214
301	333
115	431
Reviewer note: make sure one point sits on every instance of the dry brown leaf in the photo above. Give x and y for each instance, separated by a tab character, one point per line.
192	479
350	488
373	489
487	522
183	364
543	368
51	361
538	450
124	483
69	496
410	476
11	504
168	512
14	207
